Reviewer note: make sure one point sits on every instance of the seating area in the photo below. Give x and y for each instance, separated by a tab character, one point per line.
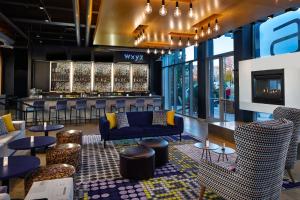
149	100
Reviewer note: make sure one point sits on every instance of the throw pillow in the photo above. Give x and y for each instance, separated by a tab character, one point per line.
8	122
122	120
171	117
3	130
111	117
159	118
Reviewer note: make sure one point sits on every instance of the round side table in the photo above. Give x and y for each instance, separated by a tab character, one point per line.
223	152
206	150
47	129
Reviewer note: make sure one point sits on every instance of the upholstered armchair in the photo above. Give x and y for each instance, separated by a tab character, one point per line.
293	115
262	148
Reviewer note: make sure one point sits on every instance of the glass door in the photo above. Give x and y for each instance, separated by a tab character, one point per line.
187	89
178	89
221	88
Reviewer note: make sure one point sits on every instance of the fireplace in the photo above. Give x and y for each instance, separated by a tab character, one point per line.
268	87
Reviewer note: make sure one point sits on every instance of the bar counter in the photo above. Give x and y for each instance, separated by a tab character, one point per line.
91	100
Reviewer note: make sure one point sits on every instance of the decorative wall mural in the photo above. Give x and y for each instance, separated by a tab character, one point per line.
102	77
121	77
82	76
60	76
139	77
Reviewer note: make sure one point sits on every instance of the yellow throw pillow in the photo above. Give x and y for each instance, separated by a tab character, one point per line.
170	117
111	117
8	122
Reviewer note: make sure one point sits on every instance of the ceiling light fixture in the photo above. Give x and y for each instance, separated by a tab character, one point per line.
171	40
177	12
148	51
135	42
155	51
41	8
188	42
196	43
148	8
162	52
217	27
208	29
180	42
191	13
196	37
169	52
202	32
163	11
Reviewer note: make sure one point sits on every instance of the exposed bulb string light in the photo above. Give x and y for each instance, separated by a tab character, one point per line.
188	42
148	8
191	13
169	52
155	51
196	37
162	52
202	32
217	27
208	29
180	42
148	51
171	40
163	11
177	12
196	43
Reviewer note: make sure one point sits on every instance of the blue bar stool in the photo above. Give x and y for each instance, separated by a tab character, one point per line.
61	105
81	105
120	105
100	105
140	103
156	104
37	107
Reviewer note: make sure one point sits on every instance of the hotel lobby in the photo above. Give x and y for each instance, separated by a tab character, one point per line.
149	99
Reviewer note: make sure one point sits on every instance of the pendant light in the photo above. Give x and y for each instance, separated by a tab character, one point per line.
177	12
169	52
135	42
155	51
196	37
202	32
208	29
171	40
191	13
180	42
148	8
196	43
217	27
162	52
148	51
163	11
188	42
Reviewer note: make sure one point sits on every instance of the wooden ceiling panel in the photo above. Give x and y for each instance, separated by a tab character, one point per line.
118	19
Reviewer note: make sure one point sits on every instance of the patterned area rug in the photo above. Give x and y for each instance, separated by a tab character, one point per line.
99	177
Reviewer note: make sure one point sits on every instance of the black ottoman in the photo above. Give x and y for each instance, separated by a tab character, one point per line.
137	163
160	147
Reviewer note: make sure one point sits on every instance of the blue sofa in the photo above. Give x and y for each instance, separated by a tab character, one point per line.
140	125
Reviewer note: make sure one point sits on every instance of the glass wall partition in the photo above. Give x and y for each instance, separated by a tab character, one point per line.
180	81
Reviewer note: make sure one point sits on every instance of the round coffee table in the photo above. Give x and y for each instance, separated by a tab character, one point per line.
25	144
224	151
206	150
50	127
17	166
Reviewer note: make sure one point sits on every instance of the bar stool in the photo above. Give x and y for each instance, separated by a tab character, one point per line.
156	104
81	105
37	107
138	104
120	104
100	105
61	105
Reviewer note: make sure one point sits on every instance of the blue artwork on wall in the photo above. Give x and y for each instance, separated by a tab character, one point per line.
280	34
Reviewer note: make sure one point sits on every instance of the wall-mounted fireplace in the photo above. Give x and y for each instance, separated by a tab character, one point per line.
268	86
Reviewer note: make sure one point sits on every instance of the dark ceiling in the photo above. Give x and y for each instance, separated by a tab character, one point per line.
48	21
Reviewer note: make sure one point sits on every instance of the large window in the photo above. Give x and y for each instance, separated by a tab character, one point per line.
221	79
180	81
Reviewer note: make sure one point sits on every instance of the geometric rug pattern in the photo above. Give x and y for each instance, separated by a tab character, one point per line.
99	177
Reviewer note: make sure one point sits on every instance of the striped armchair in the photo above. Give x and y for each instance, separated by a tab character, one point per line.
262	148
293	115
